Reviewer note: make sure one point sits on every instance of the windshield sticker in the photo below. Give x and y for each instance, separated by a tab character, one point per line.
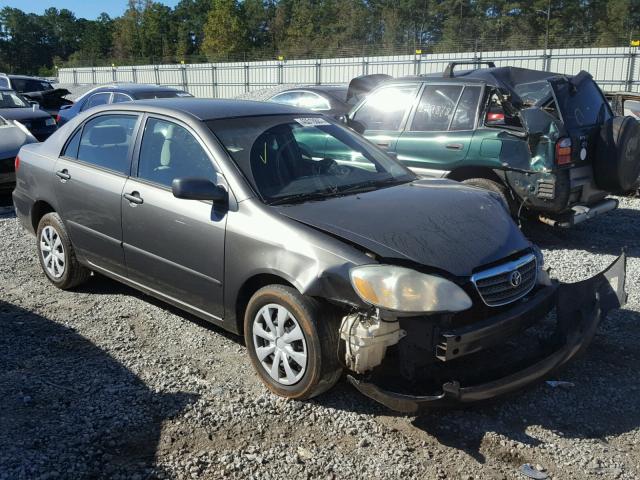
312	121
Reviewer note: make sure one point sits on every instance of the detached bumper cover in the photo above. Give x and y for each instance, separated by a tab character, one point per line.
579	308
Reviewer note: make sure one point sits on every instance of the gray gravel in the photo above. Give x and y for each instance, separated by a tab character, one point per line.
104	382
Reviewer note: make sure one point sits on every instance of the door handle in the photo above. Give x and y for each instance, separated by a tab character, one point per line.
134	198
63	175
454	146
383	144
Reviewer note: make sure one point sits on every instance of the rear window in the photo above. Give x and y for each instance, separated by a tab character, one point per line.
161	94
582	105
30	85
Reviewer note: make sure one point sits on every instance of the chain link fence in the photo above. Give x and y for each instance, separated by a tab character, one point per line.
614	68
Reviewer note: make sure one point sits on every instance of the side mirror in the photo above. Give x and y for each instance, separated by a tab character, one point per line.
199	189
342	119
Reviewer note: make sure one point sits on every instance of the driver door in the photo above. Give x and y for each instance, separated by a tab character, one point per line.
381	115
174	246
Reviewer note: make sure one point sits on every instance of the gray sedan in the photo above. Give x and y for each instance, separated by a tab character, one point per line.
235	211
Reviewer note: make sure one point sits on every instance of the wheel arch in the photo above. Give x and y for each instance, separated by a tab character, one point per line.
40	209
465	173
250	286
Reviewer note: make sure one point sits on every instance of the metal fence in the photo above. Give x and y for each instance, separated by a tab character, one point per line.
613	68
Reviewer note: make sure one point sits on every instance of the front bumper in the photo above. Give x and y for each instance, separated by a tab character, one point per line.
579	309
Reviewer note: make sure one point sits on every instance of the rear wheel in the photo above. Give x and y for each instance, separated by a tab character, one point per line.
292	342
56	254
495	187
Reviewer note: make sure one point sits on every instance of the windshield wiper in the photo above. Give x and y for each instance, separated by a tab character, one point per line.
372	185
303	197
336	191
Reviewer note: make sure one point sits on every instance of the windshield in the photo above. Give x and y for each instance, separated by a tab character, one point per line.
290	158
11	100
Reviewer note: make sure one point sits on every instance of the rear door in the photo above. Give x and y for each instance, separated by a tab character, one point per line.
382	115
91	174
583	110
174	246
441	127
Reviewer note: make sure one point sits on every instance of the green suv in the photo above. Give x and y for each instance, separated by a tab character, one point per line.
549	144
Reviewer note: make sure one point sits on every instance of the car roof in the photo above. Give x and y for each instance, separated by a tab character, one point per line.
208	108
135	87
27	77
337	92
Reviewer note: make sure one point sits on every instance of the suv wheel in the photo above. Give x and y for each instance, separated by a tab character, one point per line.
616	166
57	257
495	187
292	342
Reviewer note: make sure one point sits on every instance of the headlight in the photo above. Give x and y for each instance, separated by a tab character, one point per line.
405	290
50	121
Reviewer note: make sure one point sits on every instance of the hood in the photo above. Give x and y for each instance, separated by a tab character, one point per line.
23	113
436	223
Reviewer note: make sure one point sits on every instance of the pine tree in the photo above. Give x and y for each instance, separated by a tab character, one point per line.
224	31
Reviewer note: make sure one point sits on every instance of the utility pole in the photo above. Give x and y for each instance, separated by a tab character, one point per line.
546	38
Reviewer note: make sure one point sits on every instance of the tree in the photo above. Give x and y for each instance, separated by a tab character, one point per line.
224	32
156	34
127	38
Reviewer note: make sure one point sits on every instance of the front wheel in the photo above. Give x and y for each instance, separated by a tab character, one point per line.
292	342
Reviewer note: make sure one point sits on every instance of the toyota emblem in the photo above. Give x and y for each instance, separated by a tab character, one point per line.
516	278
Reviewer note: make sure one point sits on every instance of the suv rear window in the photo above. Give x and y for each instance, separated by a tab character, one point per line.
582	105
30	85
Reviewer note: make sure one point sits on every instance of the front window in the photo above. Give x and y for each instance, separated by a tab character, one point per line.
289	158
9	99
385	109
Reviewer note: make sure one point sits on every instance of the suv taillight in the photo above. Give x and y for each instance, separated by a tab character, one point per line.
563	151
58	118
495	117
16	163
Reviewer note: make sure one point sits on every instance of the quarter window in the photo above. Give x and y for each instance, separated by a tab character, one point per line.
96	99
436	108
120	97
385	108
170	151
106	140
71	150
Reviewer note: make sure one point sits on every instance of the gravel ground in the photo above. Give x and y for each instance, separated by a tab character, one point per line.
104	382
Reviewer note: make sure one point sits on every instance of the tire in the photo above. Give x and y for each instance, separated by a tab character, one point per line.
318	325
495	187
61	267
616	167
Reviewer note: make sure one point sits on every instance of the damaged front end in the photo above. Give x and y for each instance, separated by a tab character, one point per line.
446	359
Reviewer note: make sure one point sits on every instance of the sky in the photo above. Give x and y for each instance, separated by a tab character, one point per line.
89	9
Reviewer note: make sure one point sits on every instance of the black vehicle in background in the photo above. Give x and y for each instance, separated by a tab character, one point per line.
37	90
117	93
